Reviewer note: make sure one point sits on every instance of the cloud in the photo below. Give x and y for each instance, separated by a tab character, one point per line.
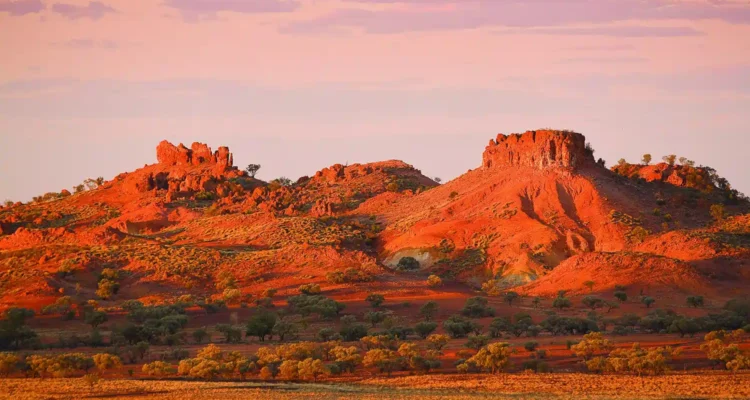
424	15
21	7
194	10
611	31
94	10
88	44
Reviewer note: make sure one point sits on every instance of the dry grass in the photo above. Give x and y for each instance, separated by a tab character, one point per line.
548	386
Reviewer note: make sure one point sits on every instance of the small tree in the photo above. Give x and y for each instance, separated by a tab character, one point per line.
95	318
561	302
593	302
646	159
695	301
429	310
408	264
434	281
105	361
375	299
425	328
252	169
437	179
310	289
494	357
670	159
647	301
199	335
718	212
510	297
476	307
621	296
589	285
383	359
158	368
592	344
536	302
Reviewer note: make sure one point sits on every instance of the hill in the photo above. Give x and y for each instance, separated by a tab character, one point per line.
540	215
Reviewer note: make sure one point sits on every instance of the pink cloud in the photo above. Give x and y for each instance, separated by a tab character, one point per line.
21	7
422	15
94	10
193	10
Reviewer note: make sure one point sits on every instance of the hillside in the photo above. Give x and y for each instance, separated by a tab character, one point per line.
540	214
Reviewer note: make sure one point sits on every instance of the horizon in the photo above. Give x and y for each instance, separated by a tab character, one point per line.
297	86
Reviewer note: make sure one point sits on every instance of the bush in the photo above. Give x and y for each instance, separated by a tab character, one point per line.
561	303
621	296
375	300
408	264
530	346
8	363
695	301
459	327
476	342
106	361
200	334
429	310
476	307
425	328
383	359
647	301
261	325
493	358
434	281
310	289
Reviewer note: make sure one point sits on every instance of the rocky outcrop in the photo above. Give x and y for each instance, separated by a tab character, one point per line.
538	149
197	154
677	175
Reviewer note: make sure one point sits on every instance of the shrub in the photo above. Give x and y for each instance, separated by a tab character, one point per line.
695	301
530	346
425	328
434	281
718	212
346	358
310	289
429	310
459	327
383	359
8	363
593	302
647	301
408	264
621	296
510	297
375	300
437	342
261	325
591	344
476	342
199	335
494	357
476	307
561	303
670	159
104	361
311	369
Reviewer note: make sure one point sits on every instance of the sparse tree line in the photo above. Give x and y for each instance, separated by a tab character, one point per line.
384	339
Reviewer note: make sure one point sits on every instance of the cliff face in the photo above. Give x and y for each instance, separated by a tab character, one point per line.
537	149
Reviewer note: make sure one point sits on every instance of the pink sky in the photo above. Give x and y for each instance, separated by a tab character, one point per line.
88	88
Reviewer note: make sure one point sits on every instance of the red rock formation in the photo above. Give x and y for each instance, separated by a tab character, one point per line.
537	149
197	154
169	154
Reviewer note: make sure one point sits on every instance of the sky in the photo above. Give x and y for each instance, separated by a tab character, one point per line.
89	88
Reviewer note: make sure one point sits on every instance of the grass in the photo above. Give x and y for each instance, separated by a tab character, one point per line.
527	386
